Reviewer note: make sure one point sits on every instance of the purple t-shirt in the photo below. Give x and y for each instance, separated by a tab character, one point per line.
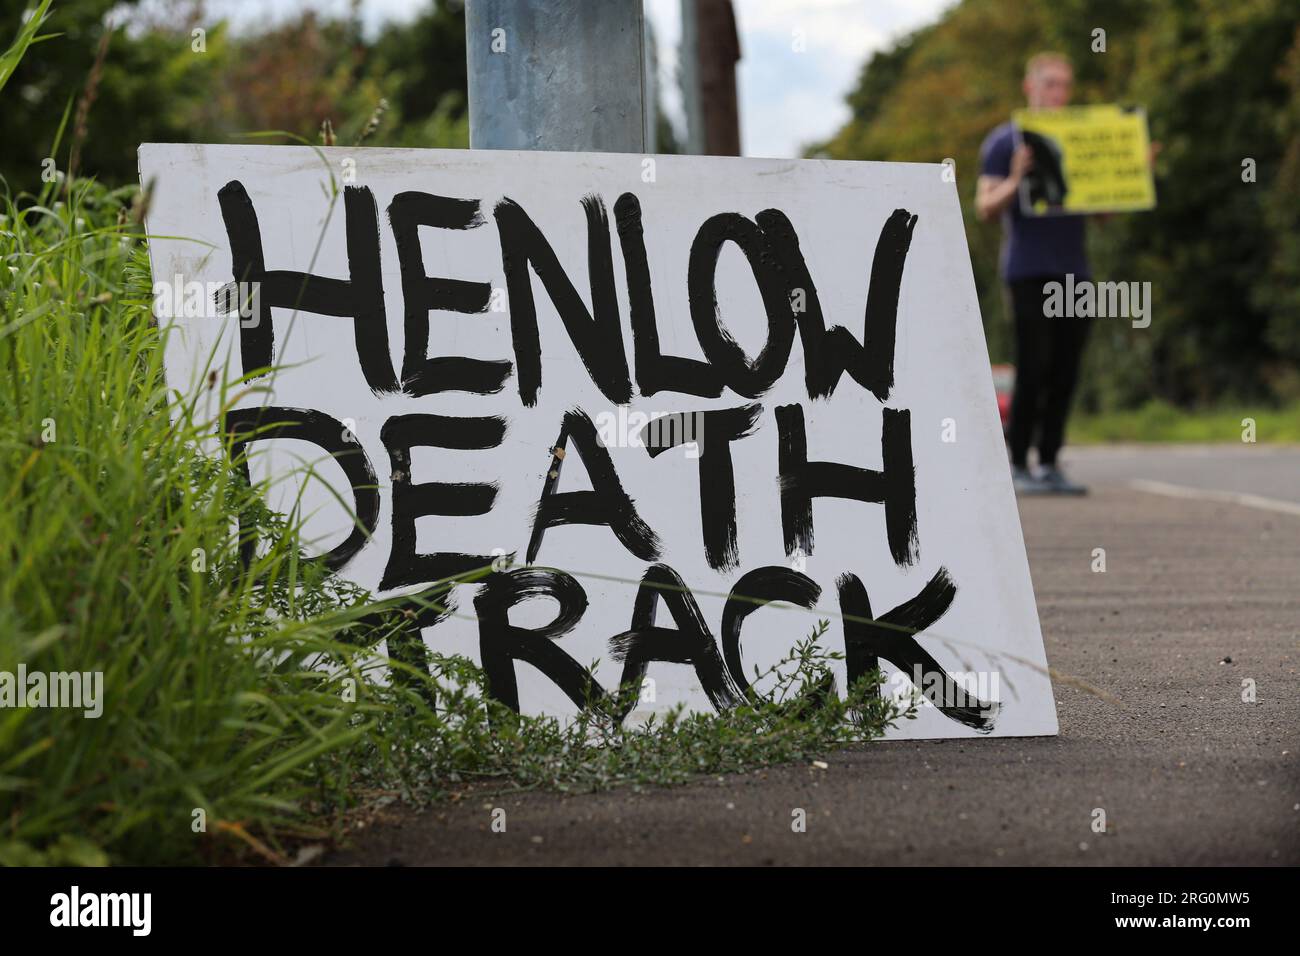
1032	246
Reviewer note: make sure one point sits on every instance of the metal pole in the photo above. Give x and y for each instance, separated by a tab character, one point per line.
556	74
710	51
650	88
690	70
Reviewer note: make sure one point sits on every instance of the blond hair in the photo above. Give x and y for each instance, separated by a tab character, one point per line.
1040	60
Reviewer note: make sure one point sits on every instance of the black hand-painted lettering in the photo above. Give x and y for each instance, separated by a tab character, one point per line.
828	354
802	480
750	379
361	296
399	624
400	434
422	293
713	432
893	639
690	642
755	589
246	425
655	372
501	643
607	503
597	335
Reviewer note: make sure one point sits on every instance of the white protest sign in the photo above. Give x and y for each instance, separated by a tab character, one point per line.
482	337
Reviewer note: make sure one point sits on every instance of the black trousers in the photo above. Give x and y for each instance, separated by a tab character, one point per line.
1048	351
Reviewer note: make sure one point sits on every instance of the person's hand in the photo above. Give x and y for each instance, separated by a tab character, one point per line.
1153	150
1022	161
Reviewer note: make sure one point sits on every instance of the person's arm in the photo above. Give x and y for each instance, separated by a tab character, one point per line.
993	194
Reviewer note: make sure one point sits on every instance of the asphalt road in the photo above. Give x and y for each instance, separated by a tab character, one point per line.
1267	471
1198	596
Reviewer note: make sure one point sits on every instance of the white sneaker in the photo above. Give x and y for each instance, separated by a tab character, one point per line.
1025	483
1055	483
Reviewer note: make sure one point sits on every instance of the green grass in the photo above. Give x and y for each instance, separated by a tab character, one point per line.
1161	422
246	701
27	35
108	510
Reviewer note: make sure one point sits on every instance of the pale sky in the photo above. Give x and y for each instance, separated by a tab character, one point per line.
787	98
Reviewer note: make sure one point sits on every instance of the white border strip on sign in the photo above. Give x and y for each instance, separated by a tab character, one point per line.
1206	494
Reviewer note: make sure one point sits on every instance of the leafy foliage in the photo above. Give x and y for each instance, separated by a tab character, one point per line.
1221	83
156	86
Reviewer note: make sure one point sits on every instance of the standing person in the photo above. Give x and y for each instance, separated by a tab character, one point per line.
1036	251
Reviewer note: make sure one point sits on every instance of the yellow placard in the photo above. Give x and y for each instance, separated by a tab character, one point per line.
1087	159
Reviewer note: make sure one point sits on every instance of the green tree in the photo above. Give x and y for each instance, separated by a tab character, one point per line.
159	82
1221	83
1213	78
145	90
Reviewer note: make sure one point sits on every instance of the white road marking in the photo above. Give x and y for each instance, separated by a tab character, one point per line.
1206	494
